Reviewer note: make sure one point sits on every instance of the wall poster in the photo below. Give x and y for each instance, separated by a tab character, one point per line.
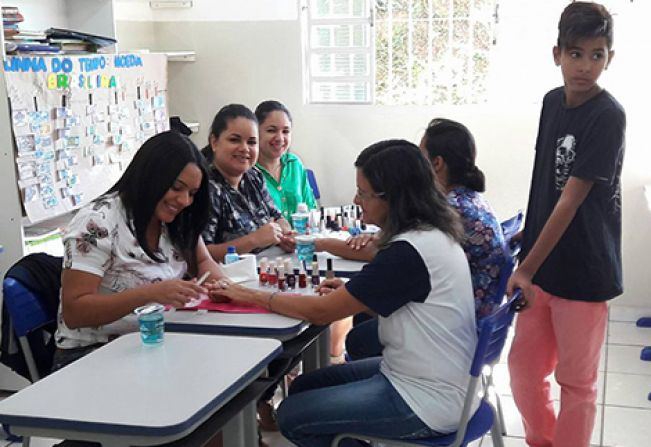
78	121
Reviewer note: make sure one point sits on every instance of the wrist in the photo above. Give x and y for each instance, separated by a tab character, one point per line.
272	295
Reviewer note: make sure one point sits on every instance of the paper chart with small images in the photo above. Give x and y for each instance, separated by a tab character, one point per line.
78	121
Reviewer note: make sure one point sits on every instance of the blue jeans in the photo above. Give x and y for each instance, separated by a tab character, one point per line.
352	397
363	340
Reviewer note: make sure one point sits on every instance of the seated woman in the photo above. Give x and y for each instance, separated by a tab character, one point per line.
134	245
419	284
243	214
283	172
450	147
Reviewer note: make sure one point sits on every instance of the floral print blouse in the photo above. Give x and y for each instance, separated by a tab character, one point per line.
483	244
99	241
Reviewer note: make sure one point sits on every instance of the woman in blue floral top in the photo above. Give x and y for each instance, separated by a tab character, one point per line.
450	147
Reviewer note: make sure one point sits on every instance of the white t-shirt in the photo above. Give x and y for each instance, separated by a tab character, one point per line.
99	241
421	288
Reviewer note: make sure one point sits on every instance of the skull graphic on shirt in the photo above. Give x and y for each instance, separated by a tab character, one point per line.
565	155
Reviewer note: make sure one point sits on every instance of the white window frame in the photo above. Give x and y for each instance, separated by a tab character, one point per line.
369	50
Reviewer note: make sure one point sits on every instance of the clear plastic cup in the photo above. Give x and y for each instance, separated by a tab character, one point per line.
304	247
151	323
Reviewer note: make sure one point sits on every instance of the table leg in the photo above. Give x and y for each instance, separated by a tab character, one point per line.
324	348
311	357
242	429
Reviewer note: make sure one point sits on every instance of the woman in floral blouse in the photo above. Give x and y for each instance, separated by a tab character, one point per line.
134	245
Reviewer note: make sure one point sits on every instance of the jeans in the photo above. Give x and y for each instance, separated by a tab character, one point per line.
363	340
351	397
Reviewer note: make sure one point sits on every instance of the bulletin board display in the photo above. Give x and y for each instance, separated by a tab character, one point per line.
78	121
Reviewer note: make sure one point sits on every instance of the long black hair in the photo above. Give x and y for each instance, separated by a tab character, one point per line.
220	122
150	175
398	171
453	142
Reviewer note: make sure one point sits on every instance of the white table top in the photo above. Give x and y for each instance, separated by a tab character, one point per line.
128	389
270	325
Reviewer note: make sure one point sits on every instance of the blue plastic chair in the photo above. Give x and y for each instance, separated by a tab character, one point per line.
312	181
493	331
512	225
26	314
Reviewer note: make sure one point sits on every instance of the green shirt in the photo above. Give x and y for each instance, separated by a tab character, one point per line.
293	187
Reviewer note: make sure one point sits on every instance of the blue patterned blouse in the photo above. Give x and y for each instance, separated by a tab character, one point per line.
483	244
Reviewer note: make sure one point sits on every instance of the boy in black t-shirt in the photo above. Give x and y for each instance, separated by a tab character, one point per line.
571	252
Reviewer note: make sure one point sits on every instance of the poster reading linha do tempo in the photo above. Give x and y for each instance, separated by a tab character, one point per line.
77	121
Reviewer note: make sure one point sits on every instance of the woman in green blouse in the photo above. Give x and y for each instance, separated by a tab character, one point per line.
283	172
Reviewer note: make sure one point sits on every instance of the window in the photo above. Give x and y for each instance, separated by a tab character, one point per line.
398	51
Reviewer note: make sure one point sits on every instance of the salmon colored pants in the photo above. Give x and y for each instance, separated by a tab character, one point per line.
565	337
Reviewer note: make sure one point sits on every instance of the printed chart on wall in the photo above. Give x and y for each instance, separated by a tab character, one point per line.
78	121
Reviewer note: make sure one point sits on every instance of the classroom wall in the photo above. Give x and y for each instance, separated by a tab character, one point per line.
248	61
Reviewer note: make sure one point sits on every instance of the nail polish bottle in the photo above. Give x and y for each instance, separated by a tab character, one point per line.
263	271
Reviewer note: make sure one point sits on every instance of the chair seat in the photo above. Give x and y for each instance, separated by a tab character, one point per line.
479	424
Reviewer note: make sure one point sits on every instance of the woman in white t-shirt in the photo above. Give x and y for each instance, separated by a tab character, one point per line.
419	285
135	245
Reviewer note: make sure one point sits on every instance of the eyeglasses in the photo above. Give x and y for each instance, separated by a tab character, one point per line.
364	196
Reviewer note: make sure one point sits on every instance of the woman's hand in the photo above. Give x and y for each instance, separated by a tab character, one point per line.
214	290
268	234
230	291
175	292
287	242
361	241
329	285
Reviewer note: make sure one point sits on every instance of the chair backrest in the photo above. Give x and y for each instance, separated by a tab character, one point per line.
31	300
493	331
512	226
312	180
25	308
503	278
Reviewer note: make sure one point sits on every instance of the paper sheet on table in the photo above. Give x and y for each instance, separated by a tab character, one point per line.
228	308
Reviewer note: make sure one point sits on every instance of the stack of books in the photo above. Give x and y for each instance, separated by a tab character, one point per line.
11	17
20	40
53	40
75	42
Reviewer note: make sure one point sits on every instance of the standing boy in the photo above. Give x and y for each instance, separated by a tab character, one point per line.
571	257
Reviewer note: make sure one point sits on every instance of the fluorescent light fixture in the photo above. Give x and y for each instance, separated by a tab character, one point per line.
166	4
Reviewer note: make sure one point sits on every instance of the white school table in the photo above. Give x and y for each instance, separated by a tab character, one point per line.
127	394
268	325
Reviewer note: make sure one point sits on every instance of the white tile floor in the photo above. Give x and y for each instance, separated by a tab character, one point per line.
623	412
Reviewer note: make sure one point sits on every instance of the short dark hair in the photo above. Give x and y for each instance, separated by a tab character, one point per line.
453	142
584	20
221	120
266	107
401	173
151	173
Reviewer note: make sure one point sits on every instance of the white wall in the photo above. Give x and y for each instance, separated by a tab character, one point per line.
249	61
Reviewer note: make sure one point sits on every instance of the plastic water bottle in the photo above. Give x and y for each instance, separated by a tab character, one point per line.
231	255
300	219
